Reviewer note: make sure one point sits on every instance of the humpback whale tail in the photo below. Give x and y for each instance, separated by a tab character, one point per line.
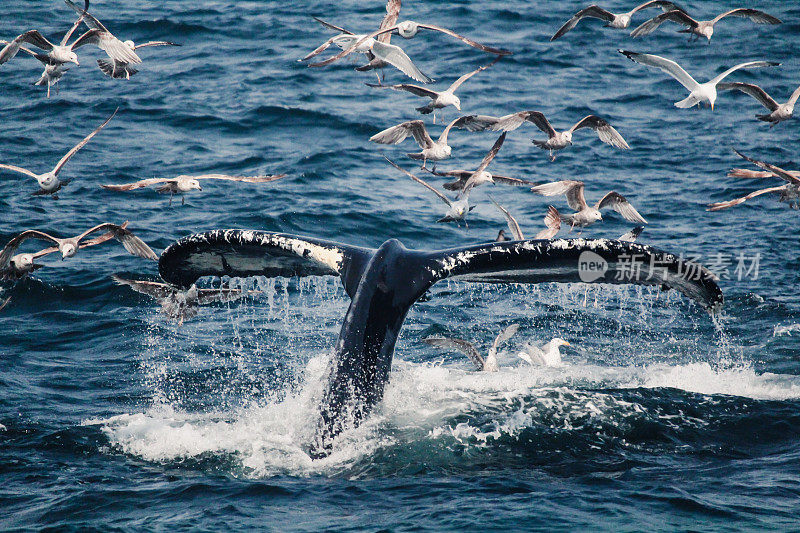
384	283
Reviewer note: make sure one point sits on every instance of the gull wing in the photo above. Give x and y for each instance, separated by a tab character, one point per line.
460	345
513	226
759	17
397	134
572	188
395	56
72	29
753	90
676	15
390	19
408	87
137	184
485	163
247	179
20	170
133	244
32	37
153	289
664	64
749	64
318	50
512	181
441	196
604	130
332	26
456	84
155	43
502	337
632	235
466	40
591	11
779	172
11	246
795	95
81	144
552	222
666	6
730	203
540	121
620	204
4	303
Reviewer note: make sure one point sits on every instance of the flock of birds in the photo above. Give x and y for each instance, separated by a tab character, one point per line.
381	54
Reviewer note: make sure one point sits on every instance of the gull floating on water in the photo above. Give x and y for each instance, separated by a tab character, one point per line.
547	355
176	304
619	21
439	99
553	225
121	70
698	92
183	184
434	150
458	209
104	39
69	247
557	140
701	28
586	215
778	112
49	182
789	193
489	364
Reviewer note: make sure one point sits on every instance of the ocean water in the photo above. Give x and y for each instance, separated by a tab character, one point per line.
661	418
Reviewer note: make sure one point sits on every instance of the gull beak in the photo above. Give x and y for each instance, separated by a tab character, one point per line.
567	344
712	106
199	188
458	106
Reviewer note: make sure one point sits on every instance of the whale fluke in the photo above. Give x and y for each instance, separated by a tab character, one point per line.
384	283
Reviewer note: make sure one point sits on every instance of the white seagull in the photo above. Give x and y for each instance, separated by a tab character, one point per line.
789	193
586	215
480	175
434	150
698	92
777	112
553	225
69	247
439	99
614	20
183	184
53	70
104	39
176	304
57	54
701	28
547	355
489	364
458	209
121	70
49	182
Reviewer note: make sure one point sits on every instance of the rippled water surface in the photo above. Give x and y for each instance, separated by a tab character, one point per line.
660	419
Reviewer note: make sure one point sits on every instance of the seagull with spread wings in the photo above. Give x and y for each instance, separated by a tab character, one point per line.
439	99
53	70
104	39
789	193
701	28
552	223
487	364
545	355
777	112
467	179
407	30
457	210
176	304
120	70
183	184
698	92
586	215
431	150
57	54
613	20
49	183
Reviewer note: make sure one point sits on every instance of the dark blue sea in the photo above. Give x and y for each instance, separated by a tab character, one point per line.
662	418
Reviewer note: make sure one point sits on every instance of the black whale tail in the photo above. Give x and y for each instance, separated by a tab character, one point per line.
383	284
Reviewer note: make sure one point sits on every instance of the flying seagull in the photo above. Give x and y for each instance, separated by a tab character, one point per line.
121	70
619	21
407	30
458	209
546	355
557	140
176	304
104	39
183	184
553	225
480	175
789	193
346	38
70	246
53	70
584	214
489	364
56	54
463	175
701	28
49	182
699	92
439	99
777	112
434	150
